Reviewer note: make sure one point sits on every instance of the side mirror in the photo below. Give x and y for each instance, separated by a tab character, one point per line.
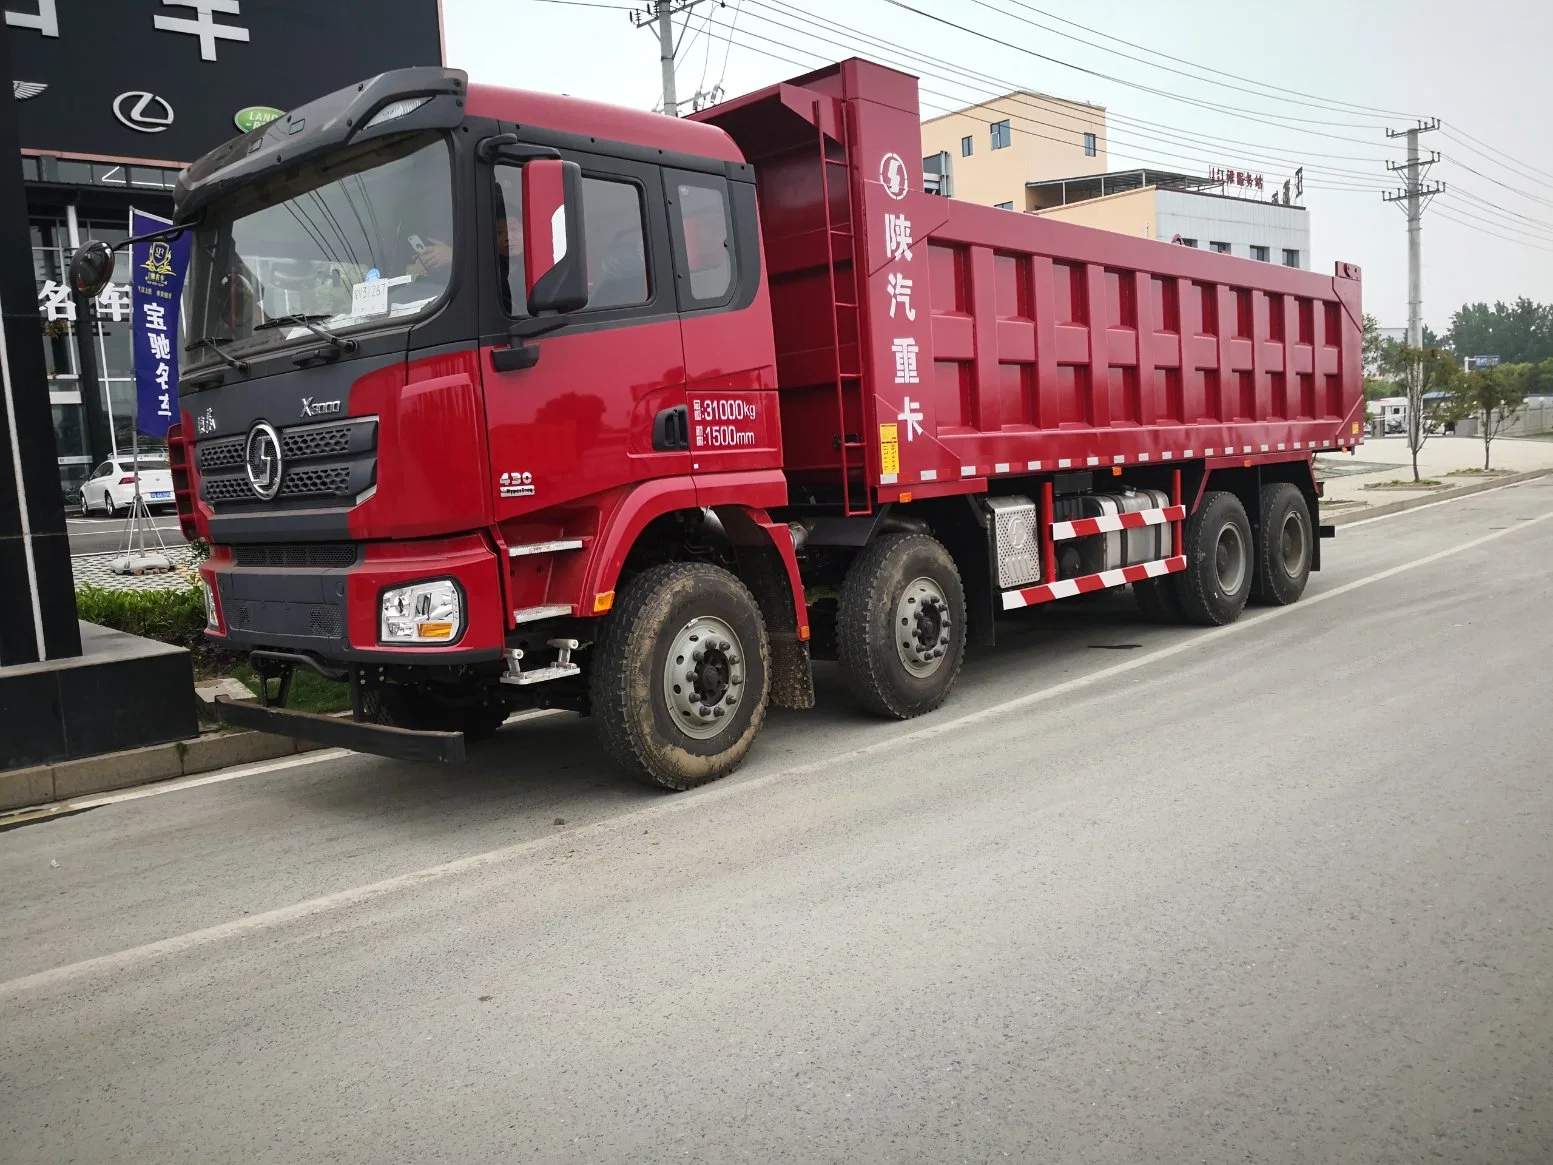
553	246
91	267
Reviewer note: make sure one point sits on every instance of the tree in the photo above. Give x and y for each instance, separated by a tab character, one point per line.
1493	396
1427	373
1381	363
1518	333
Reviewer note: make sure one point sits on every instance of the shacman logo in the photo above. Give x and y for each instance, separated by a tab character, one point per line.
319	408
27	90
143	112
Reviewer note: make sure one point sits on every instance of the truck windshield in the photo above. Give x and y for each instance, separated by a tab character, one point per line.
354	241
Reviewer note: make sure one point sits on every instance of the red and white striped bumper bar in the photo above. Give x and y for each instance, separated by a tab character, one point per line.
1106	579
1084	527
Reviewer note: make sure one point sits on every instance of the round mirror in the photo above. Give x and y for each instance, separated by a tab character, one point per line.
90	268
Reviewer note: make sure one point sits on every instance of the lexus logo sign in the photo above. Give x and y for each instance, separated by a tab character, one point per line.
143	112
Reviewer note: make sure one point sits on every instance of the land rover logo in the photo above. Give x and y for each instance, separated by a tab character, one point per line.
263	457
253	116
142	111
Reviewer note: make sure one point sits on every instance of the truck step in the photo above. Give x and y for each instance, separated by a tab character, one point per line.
560	669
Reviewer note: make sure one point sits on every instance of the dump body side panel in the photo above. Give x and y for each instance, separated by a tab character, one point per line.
958	343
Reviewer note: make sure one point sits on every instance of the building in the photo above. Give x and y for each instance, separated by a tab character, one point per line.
113	99
1179	208
990	153
1045	155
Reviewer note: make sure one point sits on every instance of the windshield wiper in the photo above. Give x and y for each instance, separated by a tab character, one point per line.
310	322
214	345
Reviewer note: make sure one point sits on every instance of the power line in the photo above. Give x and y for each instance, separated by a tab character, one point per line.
1366	109
1256	92
1202	103
1451	131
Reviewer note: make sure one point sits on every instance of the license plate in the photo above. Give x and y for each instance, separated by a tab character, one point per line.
163	496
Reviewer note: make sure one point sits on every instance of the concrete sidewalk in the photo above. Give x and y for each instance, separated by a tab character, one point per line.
1383	459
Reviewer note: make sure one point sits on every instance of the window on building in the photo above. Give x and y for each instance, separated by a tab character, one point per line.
1291	258
1003	206
936	177
1189	242
1221	248
967	145
1002	136
1259	253
1089	145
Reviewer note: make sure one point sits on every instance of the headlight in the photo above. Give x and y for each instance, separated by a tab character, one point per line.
426	612
212	620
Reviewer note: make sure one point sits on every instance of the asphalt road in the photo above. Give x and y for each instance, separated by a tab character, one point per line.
1275	893
100	535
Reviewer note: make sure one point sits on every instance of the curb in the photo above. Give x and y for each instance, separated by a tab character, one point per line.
1461	491
47	784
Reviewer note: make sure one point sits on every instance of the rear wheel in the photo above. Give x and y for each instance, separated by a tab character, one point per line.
900	627
1216	583
1283	552
679	681
108	507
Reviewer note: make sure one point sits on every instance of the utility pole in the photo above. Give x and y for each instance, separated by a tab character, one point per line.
1413	195
659	15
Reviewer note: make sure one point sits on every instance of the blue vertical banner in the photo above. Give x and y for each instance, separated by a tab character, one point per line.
156	290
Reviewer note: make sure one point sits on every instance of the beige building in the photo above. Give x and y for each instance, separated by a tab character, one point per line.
988	153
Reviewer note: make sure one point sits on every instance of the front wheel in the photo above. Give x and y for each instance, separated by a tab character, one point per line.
1216	583
679	676
900	627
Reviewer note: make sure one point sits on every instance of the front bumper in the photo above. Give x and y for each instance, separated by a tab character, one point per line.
336	732
332	611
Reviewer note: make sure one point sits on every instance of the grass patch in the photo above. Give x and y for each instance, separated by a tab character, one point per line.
1399	483
1478	473
176	617
310	692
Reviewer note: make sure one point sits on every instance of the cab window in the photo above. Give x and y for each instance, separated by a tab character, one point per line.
510	277
703	217
617	248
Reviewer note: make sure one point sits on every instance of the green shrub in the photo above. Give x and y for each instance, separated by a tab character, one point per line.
169	616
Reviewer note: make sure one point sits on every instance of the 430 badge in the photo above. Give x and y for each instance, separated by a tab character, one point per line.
517	485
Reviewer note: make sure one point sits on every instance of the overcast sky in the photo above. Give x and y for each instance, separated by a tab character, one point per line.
1480	68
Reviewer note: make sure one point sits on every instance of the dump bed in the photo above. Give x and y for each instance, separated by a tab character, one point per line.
925	345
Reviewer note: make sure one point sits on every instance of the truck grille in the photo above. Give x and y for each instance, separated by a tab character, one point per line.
333	460
320	620
322	555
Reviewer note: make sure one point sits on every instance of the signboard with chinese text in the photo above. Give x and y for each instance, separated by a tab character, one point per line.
157	270
165	80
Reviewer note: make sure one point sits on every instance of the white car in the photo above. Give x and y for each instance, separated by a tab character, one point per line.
111	487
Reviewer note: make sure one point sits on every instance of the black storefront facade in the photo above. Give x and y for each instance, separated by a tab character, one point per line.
113	99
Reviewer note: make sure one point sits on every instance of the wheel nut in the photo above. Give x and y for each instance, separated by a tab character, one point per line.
733	660
717	711
731	701
696	658
723	645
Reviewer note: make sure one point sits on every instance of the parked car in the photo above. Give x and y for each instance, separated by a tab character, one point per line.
111	486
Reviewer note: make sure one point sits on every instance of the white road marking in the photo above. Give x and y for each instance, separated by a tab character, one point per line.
177	944
1442	502
179	784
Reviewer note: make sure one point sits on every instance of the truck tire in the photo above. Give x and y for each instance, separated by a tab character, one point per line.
1157	600
679	677
1283	547
1220	570
900	627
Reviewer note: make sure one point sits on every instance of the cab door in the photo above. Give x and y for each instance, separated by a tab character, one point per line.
580	420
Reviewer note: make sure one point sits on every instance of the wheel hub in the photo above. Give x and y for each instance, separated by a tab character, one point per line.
1292	544
1229	560
922	627
703	676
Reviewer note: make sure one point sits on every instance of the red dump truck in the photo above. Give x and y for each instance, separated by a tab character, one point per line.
496	400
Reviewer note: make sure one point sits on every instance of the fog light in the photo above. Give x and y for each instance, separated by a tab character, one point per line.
425	612
212	620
